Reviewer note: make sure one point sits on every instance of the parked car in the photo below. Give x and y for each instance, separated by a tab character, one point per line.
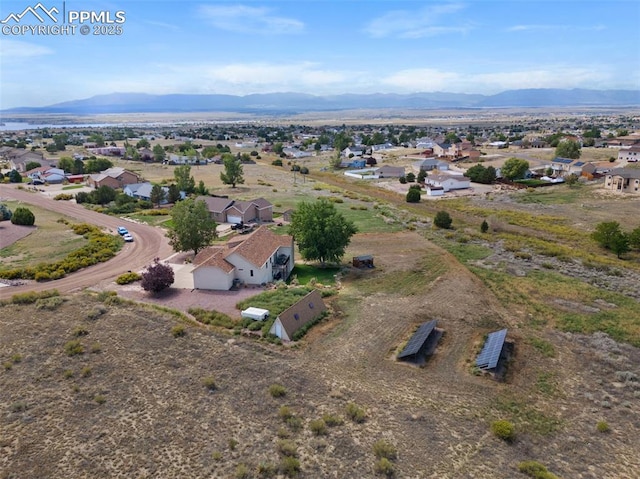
122	231
127	237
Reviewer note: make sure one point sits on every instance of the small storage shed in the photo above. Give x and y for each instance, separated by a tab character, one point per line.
363	261
257	314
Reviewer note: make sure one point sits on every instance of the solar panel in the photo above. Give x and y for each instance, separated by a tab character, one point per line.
579	163
490	354
418	339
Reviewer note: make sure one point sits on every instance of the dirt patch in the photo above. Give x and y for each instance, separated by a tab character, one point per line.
10	233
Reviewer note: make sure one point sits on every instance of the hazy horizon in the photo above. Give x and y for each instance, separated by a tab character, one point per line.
319	47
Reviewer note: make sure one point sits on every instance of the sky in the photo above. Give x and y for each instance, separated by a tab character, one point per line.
315	46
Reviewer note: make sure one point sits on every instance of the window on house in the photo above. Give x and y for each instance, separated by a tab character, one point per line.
251	272
311	305
296	316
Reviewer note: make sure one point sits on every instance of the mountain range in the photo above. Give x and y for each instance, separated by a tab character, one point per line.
288	103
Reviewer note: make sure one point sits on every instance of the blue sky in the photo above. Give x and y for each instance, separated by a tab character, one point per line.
324	47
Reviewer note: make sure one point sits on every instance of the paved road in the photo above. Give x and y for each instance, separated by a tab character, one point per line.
149	243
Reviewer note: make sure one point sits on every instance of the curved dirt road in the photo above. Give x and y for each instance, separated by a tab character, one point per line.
149	243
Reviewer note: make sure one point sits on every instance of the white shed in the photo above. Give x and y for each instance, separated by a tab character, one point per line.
257	314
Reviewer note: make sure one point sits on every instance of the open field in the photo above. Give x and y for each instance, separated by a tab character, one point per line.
134	403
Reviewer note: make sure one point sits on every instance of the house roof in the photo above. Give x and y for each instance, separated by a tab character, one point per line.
258	247
391	169
216	204
261	203
625	173
441	178
213	256
241	206
307	309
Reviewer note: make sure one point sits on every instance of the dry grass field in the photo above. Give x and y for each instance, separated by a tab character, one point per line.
140	402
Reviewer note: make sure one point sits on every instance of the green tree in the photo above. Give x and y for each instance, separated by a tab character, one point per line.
23	216
15	176
143	143
422	176
341	141
184	181
484	227
620	244
452	137
158	153
193	228
322	233
32	165
634	238
103	195
411	177
571	179
278	148
606	233
96	165
568	149
97	138
174	194
442	220
5	213
78	167
413	195
157	195
481	174
515	168
201	189
232	173
66	164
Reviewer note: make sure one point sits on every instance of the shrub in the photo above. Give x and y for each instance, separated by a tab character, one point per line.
178	331
384	449
442	220
96	312
503	430
332	420
5	213
536	470
484	227
63	197
100	399
96	348
411	177
216	456
277	162
23	216
210	383
213	318
413	195
318	427
356	413
85	372
242	472
402	180
32	296
285	412
49	303
73	348
157	277
289	466
266	469
384	466
232	443
277	390
79	331
294	423
127	278
286	447
67	374
16	358
602	426
7	365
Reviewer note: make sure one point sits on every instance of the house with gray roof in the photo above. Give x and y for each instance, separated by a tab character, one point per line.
623	180
291	320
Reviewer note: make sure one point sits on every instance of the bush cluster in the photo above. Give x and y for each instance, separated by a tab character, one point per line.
63	197
503	430
535	470
127	278
101	247
356	413
213	318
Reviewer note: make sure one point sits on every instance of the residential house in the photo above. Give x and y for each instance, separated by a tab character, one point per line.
46	174
630	154
292	152
352	151
449	182
260	257
566	166
381	147
109	150
430	164
434	190
142	191
182	160
388	171
306	310
146	154
115	177
18	158
623	180
589	171
226	210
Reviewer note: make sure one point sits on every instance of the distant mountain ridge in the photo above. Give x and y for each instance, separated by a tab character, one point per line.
288	102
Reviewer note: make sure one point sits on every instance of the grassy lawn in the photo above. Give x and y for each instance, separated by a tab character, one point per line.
72	187
305	272
50	241
560	194
538	292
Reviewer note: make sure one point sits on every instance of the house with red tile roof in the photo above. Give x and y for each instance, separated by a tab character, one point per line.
260	257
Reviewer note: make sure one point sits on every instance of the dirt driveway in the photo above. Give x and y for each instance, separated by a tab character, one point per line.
10	233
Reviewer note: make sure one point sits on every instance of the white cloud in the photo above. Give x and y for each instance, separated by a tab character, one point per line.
542	27
244	19
18	49
425	22
426	79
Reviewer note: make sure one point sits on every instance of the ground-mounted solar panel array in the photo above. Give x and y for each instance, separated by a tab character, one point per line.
490	354
418	339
